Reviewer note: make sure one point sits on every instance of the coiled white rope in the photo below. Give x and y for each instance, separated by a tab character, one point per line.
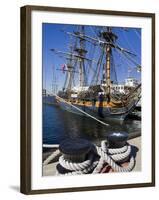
86	170
109	156
52	156
76	166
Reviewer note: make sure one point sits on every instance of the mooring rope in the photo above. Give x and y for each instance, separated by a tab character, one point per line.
84	171
112	157
52	156
82	111
75	166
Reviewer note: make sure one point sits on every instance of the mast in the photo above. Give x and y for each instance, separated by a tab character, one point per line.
81	52
54	81
108	53
109	38
70	69
81	61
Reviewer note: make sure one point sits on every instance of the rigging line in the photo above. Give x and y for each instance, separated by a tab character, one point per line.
130	45
139	36
116	46
89	54
114	66
84	74
96	70
91	63
70	62
90	66
97	38
93	70
121	57
94	32
66	80
73	81
82	111
119	54
98	74
73	76
99	68
128	59
116	78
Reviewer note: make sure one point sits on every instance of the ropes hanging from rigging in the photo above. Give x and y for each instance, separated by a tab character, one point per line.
95	76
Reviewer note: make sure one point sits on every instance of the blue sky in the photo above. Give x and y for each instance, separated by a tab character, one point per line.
54	36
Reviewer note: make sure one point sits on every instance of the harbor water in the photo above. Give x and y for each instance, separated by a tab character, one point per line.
59	124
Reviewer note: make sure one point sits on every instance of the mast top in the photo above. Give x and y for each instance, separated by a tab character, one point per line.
108	35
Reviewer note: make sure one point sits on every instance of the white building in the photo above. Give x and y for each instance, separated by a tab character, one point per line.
131	82
123	88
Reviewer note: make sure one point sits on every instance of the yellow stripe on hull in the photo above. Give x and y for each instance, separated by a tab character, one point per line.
98	104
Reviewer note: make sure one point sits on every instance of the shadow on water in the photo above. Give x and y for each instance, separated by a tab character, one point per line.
59	124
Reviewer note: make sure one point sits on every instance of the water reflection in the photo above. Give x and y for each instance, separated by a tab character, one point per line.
59	124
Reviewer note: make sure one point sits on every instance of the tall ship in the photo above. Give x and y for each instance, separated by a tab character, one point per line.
91	86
